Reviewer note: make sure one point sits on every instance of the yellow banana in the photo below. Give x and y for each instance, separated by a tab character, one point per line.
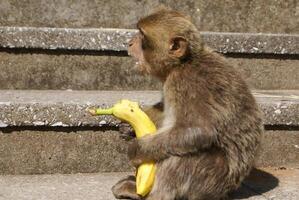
130	112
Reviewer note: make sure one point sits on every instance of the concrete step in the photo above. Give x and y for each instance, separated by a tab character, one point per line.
50	131
95	59
58	70
233	16
93	39
67	108
262	184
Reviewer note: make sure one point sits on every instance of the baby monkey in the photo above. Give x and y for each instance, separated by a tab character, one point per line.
209	125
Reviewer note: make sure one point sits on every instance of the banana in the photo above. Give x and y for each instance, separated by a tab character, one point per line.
130	112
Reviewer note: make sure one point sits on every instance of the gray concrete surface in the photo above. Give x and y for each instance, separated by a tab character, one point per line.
62	151
60	38
268	73
117	39
263	184
73	150
63	108
64	71
68	108
279	148
280	16
106	71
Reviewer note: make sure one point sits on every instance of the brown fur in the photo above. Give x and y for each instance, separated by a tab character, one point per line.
211	126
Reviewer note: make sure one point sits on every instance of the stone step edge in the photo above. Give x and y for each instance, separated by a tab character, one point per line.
68	108
107	39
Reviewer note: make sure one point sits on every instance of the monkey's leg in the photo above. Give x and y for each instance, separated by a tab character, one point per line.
210	177
164	186
126	189
199	177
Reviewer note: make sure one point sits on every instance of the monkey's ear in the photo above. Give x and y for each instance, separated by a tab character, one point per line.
178	47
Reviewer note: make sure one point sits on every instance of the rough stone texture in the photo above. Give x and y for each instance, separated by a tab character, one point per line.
252	43
63	108
71	150
270	16
263	184
71	39
65	71
45	152
117	39
268	73
279	149
105	71
279	107
68	108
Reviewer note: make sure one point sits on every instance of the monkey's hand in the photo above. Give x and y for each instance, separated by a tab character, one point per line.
126	131
134	153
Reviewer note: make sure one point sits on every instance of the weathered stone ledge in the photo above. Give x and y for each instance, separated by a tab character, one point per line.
117	39
68	108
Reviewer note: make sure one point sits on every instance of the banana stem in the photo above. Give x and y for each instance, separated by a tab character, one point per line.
108	111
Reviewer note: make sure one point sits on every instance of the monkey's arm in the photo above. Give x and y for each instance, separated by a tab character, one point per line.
176	141
192	131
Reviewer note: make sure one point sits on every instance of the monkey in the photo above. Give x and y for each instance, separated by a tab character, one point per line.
210	126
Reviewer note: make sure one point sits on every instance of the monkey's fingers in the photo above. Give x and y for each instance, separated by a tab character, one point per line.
126	131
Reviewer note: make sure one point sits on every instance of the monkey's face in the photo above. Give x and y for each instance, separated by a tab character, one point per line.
163	42
156	53
136	50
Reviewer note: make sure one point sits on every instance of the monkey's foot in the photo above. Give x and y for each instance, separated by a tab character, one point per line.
126	189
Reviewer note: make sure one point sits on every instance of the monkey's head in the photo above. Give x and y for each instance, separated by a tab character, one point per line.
166	40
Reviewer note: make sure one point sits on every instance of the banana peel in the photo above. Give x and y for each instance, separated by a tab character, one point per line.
130	112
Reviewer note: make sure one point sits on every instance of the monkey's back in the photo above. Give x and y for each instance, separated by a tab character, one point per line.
216	93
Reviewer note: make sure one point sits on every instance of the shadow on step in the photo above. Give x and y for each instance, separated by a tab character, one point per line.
256	184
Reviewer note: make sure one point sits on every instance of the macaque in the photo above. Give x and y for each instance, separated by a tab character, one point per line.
209	125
